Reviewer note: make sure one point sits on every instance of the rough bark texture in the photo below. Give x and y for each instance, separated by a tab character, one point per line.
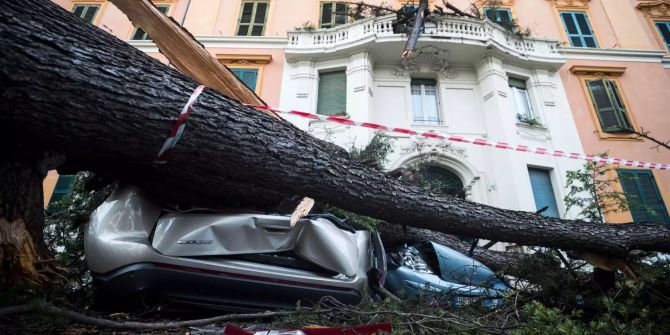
394	235
21	213
72	88
410	47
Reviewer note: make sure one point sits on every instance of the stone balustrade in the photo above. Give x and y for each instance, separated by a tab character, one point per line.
452	28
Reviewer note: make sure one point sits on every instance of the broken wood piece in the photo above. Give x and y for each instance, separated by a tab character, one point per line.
301	210
186	54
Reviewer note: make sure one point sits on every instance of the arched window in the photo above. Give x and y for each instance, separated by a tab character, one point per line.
441	180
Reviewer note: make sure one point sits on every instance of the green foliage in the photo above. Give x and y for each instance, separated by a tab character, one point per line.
592	189
375	152
64	230
529	121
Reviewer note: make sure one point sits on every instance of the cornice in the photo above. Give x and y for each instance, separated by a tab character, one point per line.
244	59
656	8
621	55
571	3
610	71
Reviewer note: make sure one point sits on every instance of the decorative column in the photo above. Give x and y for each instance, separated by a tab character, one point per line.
359	94
299	90
504	169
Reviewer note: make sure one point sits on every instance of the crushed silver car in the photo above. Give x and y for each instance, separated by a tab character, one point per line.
242	262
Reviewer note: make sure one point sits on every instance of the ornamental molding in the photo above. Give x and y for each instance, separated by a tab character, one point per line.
571	3
605	71
657	8
244	59
426	60
493	3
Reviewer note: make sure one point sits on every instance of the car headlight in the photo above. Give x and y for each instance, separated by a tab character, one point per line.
411	259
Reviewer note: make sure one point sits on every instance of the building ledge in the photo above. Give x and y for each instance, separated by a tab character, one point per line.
622	55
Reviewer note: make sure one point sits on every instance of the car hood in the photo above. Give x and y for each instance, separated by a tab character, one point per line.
318	241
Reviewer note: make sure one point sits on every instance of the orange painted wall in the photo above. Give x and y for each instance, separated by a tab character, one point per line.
645	87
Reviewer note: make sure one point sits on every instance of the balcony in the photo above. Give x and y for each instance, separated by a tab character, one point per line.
471	35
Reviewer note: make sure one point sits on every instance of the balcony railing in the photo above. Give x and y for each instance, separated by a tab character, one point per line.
460	28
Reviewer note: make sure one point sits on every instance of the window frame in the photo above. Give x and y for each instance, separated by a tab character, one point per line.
659	35
529	103
581	35
133	30
332	15
657	189
594	114
98	15
319	87
252	23
440	117
555	191
248	68
510	12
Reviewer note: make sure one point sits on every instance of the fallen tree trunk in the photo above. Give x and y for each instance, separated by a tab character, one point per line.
395	235
71	88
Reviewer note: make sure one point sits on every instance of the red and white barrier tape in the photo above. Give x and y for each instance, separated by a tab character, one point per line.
178	129
481	142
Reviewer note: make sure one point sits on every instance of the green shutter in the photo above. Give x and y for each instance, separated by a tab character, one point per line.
664	29
62	188
332	99
578	29
609	106
252	18
333	14
644	199
518	83
139	34
86	12
247	76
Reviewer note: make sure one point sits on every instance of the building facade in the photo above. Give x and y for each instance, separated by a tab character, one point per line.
572	75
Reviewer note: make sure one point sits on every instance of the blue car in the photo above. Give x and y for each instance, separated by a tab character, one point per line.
438	272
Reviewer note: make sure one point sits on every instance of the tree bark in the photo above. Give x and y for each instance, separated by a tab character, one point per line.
410	46
69	87
395	235
22	246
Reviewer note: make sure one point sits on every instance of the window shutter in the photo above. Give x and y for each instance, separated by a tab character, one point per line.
644	199
259	19
605	108
245	19
326	15
62	188
664	30
578	29
247	76
518	83
332	99
543	191
341	13
86	12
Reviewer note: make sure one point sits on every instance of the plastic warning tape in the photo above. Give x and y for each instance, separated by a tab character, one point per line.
178	129
474	141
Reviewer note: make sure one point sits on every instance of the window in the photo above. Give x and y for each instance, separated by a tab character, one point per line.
247	76
86	12
501	16
664	29
424	101
332	99
609	106
333	14
543	192
441	180
644	199
252	19
139	34
62	188
524	110
578	29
